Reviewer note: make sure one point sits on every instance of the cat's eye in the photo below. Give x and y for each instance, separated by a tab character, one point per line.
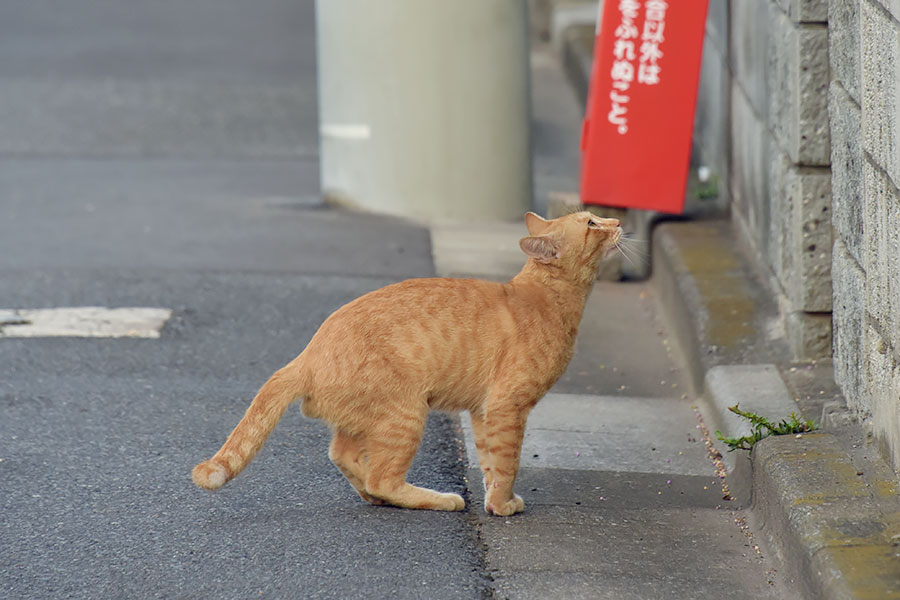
592	223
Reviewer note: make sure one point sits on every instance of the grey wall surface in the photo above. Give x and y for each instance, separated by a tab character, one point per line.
798	118
762	128
863	110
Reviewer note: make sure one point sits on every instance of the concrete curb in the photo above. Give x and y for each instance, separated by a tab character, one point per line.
834	527
719	312
757	388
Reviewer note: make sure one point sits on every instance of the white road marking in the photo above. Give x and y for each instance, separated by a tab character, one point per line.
83	321
346	131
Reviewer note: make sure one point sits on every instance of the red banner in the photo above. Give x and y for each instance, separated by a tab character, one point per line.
636	138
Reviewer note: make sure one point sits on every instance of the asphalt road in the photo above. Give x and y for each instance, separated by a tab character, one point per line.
164	154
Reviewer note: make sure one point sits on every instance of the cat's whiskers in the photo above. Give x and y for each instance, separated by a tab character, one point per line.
632	249
636	246
624	254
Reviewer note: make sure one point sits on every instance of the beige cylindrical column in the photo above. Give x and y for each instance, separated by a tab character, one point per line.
424	107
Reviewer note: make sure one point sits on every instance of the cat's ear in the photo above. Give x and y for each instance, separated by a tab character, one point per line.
535	223
541	248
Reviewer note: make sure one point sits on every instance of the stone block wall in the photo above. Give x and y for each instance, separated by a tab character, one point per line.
863	110
762	126
799	117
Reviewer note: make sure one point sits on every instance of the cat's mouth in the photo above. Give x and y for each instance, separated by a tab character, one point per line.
611	243
617	235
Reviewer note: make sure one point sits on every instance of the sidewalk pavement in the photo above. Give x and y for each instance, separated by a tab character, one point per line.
826	503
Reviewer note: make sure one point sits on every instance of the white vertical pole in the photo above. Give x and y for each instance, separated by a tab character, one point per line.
424	107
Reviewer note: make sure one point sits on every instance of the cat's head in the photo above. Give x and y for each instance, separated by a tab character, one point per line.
575	243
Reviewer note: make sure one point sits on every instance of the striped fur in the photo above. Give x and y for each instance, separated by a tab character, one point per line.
377	365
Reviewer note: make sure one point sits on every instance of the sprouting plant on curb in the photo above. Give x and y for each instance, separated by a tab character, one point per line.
763	428
709	189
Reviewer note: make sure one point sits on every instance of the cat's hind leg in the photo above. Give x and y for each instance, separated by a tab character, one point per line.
390	449
346	453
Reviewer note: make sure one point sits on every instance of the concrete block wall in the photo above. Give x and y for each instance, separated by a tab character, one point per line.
863	111
762	126
799	115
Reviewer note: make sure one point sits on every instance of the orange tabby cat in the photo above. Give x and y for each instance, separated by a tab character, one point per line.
377	365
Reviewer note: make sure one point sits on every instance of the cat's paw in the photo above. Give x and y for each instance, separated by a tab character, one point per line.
504	509
371	499
452	502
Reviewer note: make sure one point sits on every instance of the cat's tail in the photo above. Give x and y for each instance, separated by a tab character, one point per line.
251	432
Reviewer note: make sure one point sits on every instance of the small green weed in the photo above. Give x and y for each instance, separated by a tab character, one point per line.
708	190
763	428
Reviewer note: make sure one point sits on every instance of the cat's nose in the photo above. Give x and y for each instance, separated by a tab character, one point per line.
612	222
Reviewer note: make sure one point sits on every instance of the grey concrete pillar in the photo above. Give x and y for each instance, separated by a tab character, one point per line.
424	107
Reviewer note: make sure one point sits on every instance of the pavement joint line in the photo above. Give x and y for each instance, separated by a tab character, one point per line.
83	322
593	433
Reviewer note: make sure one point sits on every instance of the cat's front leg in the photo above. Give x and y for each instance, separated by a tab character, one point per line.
504	429
484	459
